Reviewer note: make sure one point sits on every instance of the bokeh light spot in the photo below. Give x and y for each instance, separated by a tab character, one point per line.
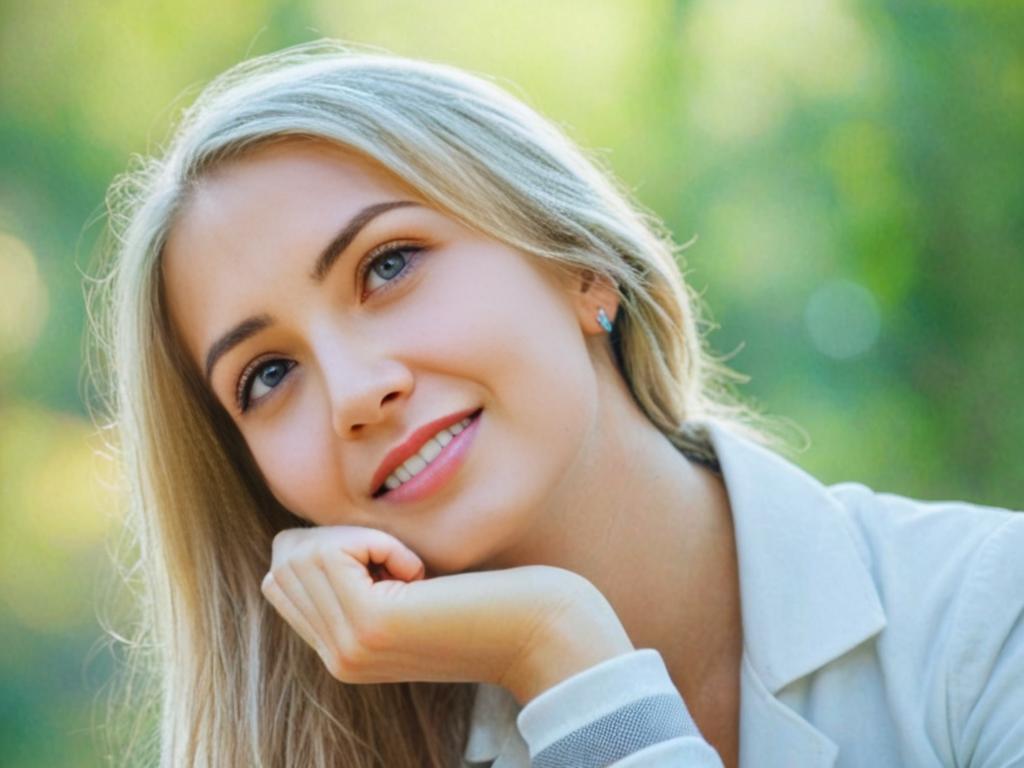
23	300
755	57
56	509
843	319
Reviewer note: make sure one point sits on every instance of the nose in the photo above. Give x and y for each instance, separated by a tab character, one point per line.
362	386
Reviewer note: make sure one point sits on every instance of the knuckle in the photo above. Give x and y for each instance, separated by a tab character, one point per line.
282	545
370	633
282	538
337	666
275	573
352	655
316	559
323	555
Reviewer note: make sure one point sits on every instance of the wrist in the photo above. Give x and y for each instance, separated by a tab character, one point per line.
577	638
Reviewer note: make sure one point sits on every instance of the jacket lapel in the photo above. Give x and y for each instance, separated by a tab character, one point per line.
807	595
773	734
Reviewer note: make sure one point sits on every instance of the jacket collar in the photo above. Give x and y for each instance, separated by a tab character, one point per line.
807	597
806	593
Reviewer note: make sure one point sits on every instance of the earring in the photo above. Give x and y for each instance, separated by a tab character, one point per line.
603	320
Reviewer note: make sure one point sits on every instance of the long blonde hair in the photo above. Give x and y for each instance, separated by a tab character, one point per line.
237	687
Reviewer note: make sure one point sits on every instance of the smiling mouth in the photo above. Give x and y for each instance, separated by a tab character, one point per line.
435	452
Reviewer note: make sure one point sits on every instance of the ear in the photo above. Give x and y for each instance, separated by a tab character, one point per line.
591	292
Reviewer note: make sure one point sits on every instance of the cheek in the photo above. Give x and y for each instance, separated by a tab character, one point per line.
518	344
295	459
492	316
506	327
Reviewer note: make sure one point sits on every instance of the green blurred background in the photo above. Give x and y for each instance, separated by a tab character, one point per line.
852	171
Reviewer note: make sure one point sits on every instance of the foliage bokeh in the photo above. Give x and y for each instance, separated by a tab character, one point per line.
847	167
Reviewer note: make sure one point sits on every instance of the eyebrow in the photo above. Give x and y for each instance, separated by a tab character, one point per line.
343	239
327	258
234	337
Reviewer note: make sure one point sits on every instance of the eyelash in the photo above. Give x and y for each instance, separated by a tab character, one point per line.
251	371
249	375
380	253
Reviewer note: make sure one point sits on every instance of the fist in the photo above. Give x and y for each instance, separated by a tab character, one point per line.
358	597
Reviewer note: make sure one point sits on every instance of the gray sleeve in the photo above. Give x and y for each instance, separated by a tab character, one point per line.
629	729
622	712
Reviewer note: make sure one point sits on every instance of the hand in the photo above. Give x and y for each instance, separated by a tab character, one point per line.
523	628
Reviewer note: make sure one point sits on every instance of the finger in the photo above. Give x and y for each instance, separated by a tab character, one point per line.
293	587
284	606
375	546
326	601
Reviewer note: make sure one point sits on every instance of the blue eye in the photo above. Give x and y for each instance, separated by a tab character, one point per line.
390	265
259	379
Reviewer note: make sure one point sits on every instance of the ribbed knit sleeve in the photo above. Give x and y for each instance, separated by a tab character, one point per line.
624	712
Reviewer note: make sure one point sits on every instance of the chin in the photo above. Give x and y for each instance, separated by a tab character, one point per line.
453	563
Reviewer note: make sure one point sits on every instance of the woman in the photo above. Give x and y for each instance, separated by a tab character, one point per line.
430	466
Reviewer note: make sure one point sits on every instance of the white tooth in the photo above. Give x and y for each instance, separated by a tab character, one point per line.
430	450
414	465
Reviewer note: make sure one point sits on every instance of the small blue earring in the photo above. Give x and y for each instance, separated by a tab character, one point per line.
603	320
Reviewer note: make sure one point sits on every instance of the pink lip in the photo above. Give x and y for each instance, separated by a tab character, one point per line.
412	444
439	471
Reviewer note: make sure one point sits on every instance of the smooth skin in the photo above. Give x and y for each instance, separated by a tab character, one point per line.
573	532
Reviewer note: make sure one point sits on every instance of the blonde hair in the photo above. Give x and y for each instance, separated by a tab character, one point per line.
237	685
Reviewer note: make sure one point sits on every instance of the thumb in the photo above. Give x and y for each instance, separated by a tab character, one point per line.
377	548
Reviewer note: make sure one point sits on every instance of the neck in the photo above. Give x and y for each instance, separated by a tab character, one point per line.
653	532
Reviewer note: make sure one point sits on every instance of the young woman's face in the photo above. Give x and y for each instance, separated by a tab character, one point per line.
330	352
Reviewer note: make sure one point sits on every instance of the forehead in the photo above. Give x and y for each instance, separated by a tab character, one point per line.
257	220
292	177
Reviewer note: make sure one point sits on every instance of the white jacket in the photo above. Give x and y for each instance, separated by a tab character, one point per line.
878	631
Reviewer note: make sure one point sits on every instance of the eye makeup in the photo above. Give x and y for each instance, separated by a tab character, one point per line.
379	255
250	376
